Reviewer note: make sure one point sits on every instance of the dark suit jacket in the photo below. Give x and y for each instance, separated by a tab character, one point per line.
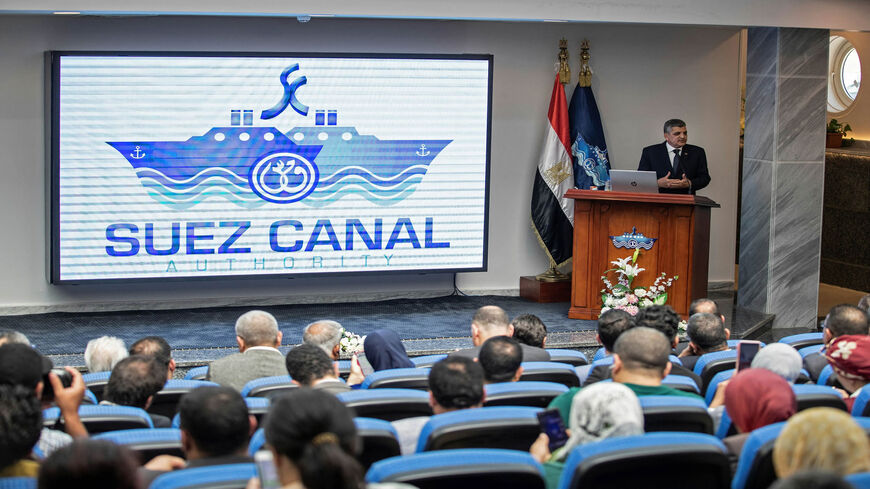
530	353
693	162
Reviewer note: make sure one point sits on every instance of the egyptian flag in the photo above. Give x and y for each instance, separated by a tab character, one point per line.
552	213
588	148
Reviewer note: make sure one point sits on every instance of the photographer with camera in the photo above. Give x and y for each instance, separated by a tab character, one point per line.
64	388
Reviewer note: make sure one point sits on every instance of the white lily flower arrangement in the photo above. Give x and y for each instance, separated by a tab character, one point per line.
350	343
622	295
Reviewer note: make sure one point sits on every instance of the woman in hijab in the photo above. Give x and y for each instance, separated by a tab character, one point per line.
599	411
821	438
384	350
754	398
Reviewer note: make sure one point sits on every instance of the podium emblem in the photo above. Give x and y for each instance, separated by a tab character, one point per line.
633	240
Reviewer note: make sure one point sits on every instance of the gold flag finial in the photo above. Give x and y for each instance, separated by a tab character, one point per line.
585	71
564	68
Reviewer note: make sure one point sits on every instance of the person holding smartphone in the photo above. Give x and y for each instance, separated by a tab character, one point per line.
602	410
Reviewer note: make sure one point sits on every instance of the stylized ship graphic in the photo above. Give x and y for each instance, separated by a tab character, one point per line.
250	166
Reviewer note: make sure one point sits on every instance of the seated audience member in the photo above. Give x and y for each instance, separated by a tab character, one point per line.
707	334
705	305
454	383
309	366
640	361
133	382
10	336
157	347
780	359
215	427
384	350
611	324
490	321
501	358
530	330
89	464
23	366
843	319
258	338
324	334
812	479
821	438
600	411
755	398
849	356
103	353
663	319
20	426
313	440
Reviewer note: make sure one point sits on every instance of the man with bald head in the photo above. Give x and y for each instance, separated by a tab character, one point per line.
258	338
842	319
491	321
640	362
324	334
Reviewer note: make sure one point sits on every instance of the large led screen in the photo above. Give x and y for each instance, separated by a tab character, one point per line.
196	165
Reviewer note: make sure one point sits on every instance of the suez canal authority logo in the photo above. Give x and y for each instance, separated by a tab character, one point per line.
251	165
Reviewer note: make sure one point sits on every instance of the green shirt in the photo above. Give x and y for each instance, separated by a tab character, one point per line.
562	402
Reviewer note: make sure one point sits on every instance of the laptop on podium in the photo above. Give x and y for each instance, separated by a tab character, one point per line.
642	182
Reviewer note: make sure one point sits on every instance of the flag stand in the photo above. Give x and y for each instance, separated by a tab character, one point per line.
552	275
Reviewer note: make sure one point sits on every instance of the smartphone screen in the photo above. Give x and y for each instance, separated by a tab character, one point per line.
551	424
746	351
266	470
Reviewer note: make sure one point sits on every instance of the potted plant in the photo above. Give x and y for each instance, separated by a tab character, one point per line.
836	132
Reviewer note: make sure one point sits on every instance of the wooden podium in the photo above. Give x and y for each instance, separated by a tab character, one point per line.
680	224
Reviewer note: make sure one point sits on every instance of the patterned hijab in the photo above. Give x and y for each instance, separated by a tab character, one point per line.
384	350
821	439
757	397
602	410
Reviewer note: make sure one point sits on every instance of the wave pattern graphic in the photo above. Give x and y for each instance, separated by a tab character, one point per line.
213	182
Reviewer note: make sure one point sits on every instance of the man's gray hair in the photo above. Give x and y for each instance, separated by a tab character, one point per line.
103	353
492	320
671	123
257	328
324	334
12	336
781	359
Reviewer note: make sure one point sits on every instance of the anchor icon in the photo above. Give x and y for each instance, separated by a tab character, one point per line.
422	151
138	155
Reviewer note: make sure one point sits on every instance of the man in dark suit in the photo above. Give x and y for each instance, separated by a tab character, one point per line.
680	168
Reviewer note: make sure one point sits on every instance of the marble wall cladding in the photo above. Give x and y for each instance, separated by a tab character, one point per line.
803	52
796	244
761	51
755	223
801	119
759	117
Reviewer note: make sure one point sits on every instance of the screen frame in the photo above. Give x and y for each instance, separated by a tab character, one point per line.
52	91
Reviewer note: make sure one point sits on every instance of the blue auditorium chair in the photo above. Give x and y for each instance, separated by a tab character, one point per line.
826	376
387	404
257	407
402	378
165	402
343	368
672	413
17	483
755	467
461	469
733	343
428	360
682	383
858	481
714	383
514	428
100	419
268	386
90	397
522	393
709	364
809	350
798	341
812	396
561	373
379	440
599	354
726	427
861	406
651	460
147	443
233	476
583	372
96	382
571	357
257	441
197	373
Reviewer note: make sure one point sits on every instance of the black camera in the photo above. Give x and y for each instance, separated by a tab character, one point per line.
48	390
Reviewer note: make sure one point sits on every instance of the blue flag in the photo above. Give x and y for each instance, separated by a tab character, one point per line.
588	148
